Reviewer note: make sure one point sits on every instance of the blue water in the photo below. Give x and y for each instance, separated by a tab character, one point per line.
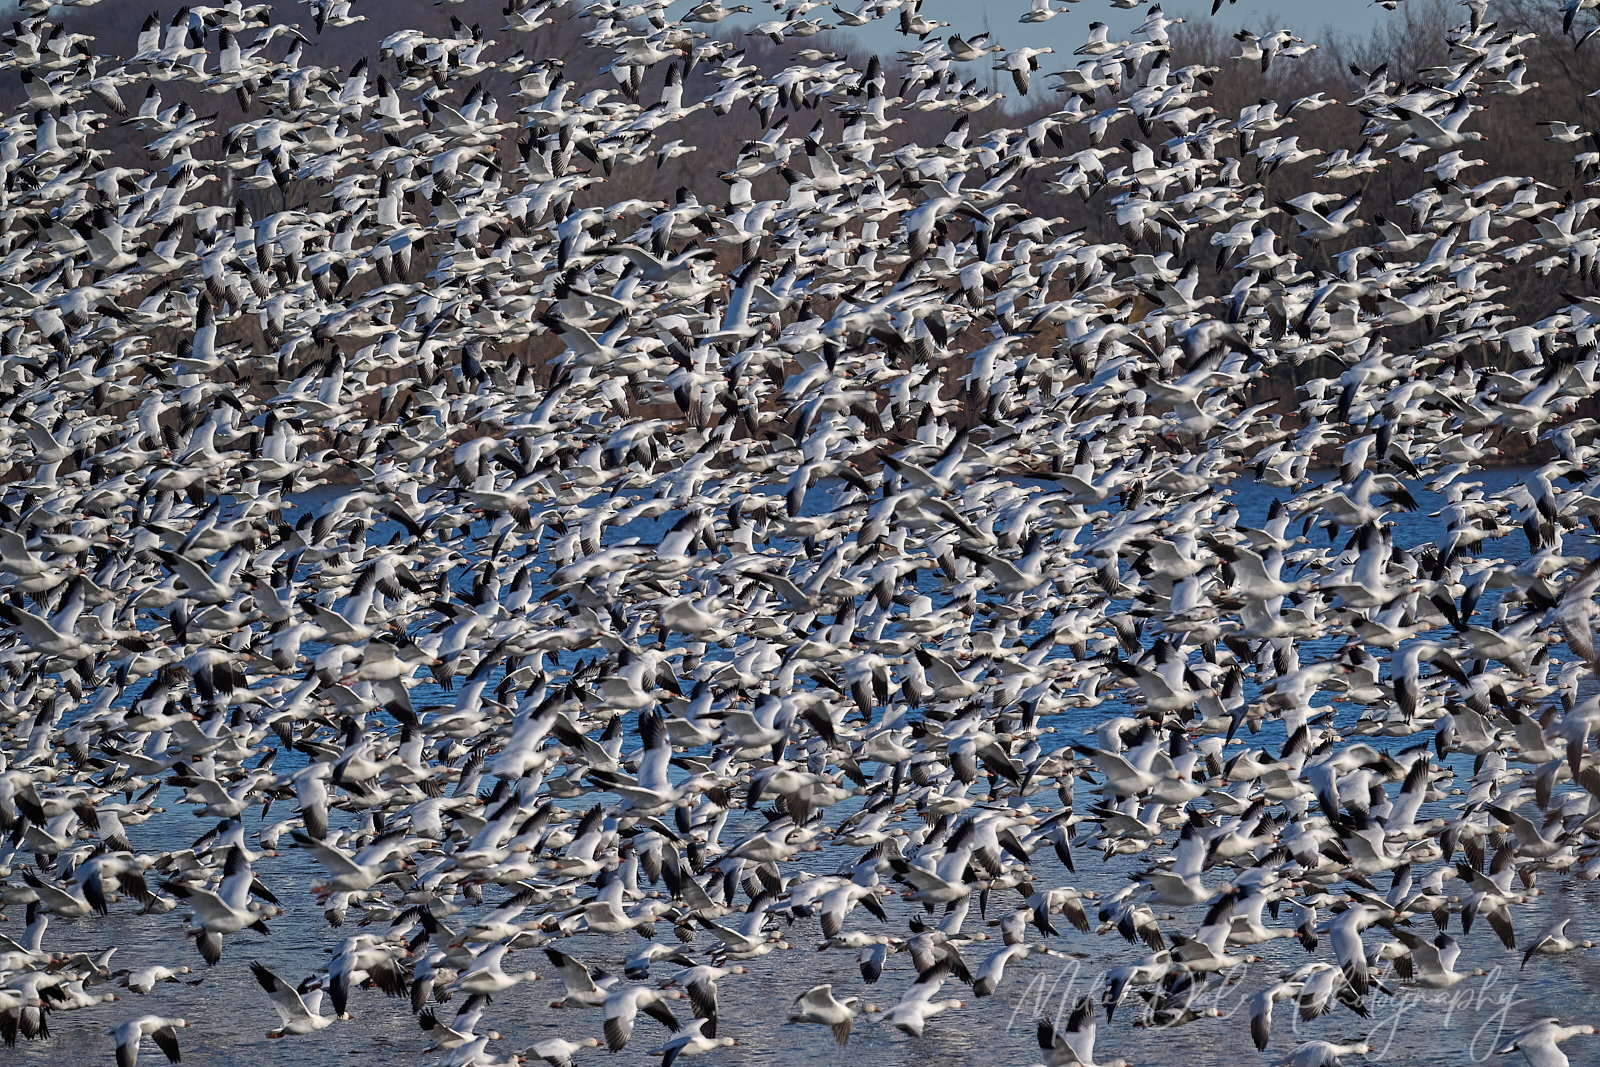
229	1013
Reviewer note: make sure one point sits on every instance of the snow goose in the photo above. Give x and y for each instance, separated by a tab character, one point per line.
693	1041
129	1035
1540	1042
911	1014
486	976
1433	965
143	980
585	989
818	1005
1073	1045
1322	1054
622	1007
700	983
300	1010
1261	1009
1552	941
227	910
558	1051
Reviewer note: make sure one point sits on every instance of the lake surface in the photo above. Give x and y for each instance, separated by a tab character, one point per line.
229	1013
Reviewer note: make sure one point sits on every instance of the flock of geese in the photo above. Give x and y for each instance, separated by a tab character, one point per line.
657	590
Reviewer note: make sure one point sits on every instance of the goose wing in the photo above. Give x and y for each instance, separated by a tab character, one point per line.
291	1008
